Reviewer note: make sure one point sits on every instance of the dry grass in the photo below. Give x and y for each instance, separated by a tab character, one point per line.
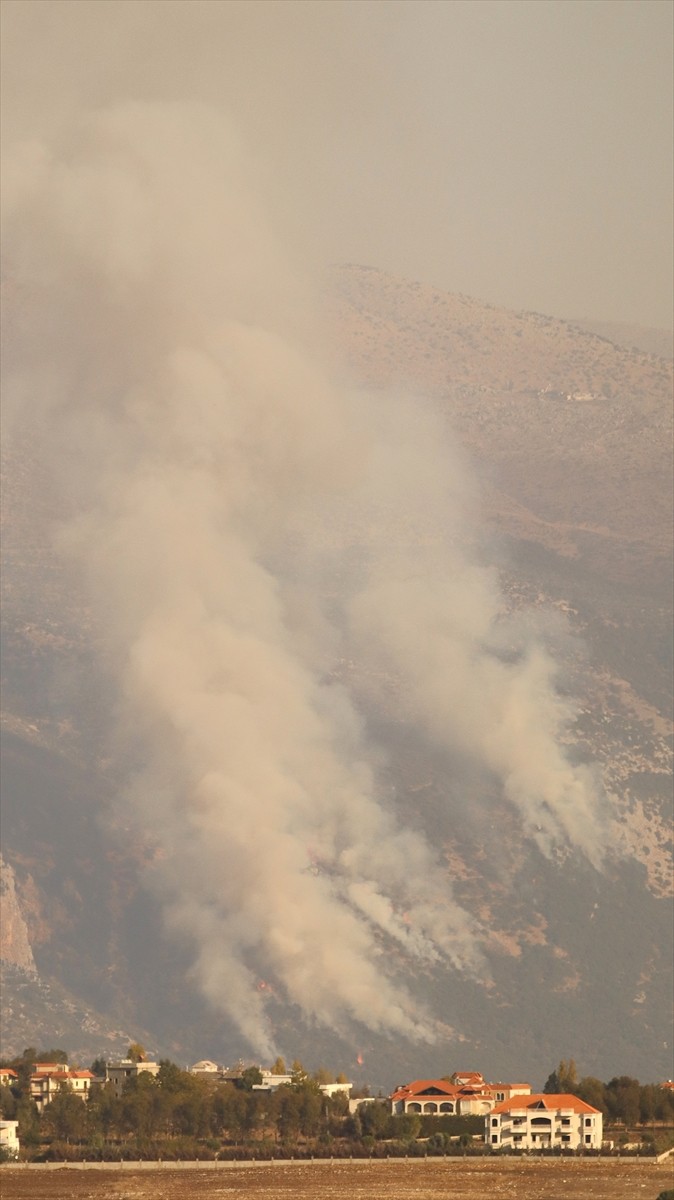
460	1179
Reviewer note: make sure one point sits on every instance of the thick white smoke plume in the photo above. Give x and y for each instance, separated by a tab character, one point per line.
216	476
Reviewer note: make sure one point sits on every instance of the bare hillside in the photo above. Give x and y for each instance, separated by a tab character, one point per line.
574	432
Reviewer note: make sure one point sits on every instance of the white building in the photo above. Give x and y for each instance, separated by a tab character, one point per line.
271	1083
118	1073
206	1066
465	1094
541	1121
9	1138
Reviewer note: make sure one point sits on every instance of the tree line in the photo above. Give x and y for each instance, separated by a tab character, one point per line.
623	1100
175	1114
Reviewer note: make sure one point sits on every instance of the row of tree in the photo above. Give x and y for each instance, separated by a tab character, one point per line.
185	1111
622	1100
177	1113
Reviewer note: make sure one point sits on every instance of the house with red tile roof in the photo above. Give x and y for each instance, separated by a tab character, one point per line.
8	1077
48	1079
541	1121
463	1094
433	1097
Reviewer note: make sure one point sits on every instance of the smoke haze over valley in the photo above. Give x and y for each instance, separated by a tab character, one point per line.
298	629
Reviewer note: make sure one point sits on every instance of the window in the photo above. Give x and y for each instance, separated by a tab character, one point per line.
566	1137
494	1138
494	1121
588	1120
588	1138
566	1120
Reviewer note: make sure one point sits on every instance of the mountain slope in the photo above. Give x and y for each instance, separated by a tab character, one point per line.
571	437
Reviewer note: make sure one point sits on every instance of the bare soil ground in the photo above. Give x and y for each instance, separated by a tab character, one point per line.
460	1179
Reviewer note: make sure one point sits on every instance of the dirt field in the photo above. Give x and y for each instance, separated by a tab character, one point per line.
460	1179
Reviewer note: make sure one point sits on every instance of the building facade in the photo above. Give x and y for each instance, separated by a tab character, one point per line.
541	1122
9	1139
48	1079
118	1073
465	1094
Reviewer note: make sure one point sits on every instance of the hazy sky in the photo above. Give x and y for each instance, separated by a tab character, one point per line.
244	525
516	151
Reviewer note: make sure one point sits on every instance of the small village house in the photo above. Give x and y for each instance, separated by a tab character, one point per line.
48	1079
118	1073
9	1139
271	1083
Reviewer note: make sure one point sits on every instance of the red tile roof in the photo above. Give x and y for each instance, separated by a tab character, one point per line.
420	1087
544	1100
39	1075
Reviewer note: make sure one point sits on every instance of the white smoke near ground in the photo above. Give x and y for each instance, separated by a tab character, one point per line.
216	473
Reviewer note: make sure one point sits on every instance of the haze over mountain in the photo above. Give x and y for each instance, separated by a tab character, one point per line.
337	616
582	558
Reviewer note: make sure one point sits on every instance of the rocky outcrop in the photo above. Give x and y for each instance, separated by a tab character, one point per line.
15	945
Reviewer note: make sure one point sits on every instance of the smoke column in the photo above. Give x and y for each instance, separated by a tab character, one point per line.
215	473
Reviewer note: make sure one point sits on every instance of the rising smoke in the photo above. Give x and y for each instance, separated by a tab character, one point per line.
217	476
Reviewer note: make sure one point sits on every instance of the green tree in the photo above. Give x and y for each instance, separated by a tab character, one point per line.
136	1052
105	1109
8	1102
289	1113
29	1122
23	1065
322	1075
647	1103
592	1091
407	1126
375	1119
249	1077
312	1108
191	1113
66	1116
229	1111
279	1067
143	1107
563	1080
622	1098
664	1105
52	1056
298	1072
171	1078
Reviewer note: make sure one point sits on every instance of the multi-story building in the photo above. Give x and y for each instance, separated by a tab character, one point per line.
541	1121
118	1073
464	1094
48	1079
